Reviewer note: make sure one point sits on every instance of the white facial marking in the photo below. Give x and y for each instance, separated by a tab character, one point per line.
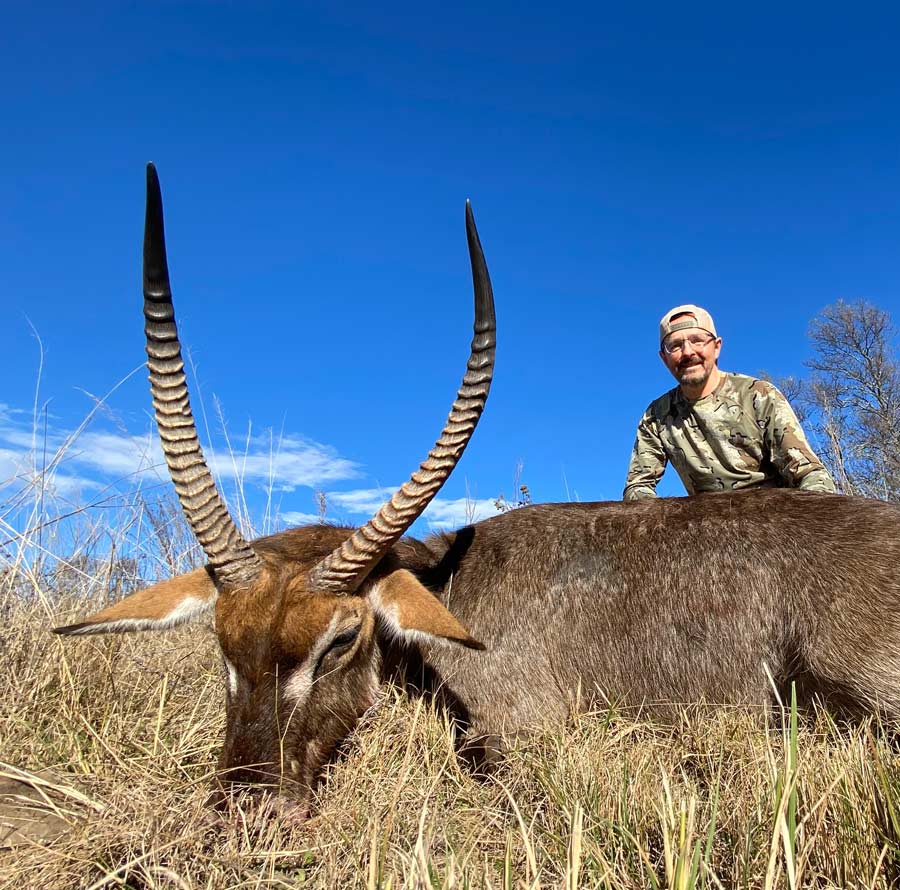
232	676
297	685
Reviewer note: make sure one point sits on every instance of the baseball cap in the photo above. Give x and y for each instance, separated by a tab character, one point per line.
703	320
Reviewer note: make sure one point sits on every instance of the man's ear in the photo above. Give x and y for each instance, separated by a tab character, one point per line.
409	610
182	599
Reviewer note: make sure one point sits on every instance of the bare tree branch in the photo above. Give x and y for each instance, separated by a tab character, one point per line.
851	402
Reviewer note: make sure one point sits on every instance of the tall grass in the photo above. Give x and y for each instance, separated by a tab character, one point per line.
121	734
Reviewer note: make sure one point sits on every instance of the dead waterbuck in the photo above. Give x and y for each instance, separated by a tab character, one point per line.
517	619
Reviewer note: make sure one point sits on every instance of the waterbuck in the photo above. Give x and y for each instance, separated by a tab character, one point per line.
519	618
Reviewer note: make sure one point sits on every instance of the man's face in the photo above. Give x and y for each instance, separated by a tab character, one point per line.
691	355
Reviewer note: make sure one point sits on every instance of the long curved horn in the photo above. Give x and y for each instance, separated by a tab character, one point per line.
231	557
345	568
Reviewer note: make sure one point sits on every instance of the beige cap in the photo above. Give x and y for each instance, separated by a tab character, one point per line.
702	319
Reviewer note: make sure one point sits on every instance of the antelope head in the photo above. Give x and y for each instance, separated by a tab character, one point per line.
299	615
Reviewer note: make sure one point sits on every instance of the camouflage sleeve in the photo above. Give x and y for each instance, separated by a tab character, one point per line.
648	461
789	451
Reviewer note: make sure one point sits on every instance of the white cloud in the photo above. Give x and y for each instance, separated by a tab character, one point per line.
360	500
453	513
7	414
12	463
285	462
18	474
441	512
93	458
72	487
292	518
118	454
24	438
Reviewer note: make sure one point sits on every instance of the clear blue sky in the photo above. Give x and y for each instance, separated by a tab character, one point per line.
315	160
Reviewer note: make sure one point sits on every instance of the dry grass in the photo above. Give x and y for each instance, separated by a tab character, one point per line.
127	728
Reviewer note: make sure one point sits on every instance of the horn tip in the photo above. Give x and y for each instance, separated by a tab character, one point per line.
152	179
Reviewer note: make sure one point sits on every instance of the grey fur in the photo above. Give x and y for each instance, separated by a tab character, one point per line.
661	603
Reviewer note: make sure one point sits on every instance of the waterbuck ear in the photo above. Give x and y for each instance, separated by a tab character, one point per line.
176	601
409	610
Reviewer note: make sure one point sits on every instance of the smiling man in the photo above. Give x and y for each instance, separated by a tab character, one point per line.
721	431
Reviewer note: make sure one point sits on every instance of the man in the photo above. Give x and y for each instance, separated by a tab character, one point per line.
721	431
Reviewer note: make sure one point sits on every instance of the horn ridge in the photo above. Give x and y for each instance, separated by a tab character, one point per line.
346	567
233	561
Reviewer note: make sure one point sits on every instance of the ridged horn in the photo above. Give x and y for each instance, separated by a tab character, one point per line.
231	557
345	568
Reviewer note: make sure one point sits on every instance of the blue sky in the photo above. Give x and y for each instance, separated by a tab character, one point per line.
315	160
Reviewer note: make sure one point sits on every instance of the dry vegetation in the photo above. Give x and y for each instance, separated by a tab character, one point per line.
120	735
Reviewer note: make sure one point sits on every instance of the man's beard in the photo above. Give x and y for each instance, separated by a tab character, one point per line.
694	379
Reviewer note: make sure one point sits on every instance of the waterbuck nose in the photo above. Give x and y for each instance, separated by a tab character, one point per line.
243	780
223	799
217	798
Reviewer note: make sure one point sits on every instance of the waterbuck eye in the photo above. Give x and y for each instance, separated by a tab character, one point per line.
340	643
344	638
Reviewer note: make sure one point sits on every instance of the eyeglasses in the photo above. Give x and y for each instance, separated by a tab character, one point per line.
697	342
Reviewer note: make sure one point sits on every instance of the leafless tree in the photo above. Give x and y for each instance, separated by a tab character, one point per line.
850	404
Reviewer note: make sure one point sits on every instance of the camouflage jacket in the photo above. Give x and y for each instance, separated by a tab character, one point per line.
742	435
